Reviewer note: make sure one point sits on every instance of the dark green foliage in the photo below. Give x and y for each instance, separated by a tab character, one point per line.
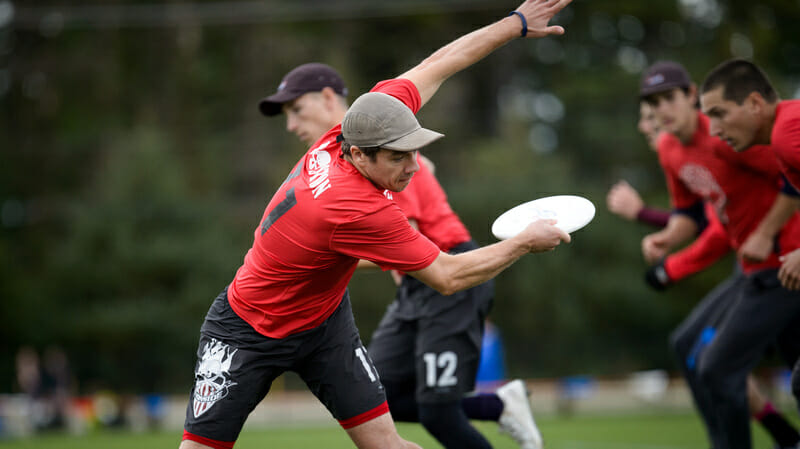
135	166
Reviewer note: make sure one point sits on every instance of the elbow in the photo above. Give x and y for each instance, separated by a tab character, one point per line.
447	288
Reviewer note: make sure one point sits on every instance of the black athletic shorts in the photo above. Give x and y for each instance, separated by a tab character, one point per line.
236	366
432	340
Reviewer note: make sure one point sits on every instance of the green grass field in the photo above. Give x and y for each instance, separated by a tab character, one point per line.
641	431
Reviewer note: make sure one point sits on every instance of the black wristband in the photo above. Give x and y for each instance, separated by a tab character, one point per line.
524	22
657	277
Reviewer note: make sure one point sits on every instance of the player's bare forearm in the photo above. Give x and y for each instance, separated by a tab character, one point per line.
759	243
449	274
460	54
472	47
657	245
680	228
783	207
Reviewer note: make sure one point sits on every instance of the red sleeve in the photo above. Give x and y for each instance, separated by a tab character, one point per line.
668	156
786	143
402	89
385	238
710	246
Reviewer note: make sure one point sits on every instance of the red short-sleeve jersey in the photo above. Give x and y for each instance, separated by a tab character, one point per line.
321	221
786	139
741	187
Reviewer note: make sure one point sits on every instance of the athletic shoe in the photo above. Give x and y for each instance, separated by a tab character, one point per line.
517	419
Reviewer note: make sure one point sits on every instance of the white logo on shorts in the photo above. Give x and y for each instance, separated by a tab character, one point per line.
212	376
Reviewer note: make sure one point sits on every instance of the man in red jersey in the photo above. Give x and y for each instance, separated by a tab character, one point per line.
745	110
726	334
421	326
623	200
287	308
709	246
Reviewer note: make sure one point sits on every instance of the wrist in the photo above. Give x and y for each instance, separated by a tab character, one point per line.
657	276
524	22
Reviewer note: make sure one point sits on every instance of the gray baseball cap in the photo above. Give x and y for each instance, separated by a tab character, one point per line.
663	76
379	120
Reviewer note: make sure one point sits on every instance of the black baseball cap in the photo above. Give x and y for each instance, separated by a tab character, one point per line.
663	76
311	77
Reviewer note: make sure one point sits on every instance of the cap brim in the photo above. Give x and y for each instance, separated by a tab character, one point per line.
647	91
413	140
273	105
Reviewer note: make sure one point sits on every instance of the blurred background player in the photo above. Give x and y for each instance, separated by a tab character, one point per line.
726	334
422	331
624	201
744	109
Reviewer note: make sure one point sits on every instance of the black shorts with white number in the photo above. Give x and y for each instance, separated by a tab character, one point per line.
236	366
432	340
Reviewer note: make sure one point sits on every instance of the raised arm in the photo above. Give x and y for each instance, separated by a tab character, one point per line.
472	47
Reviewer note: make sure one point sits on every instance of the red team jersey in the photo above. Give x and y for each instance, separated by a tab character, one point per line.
740	186
424	200
786	139
321	221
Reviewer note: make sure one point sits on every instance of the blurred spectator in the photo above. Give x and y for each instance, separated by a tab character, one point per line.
46	381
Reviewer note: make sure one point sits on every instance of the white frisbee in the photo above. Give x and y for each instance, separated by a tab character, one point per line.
571	212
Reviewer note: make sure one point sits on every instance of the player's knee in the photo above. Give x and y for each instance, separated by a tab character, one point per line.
432	421
719	381
401	400
439	419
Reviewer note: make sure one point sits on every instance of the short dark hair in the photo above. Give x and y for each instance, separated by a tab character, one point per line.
738	79
370	152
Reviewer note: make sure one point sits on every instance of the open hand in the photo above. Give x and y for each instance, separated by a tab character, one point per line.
538	14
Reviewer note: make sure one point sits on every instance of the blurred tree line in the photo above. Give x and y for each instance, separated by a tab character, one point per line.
135	164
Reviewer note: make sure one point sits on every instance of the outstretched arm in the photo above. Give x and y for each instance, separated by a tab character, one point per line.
449	274
472	47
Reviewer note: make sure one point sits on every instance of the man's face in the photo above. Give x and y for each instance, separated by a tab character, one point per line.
308	117
390	170
736	124
648	125
674	110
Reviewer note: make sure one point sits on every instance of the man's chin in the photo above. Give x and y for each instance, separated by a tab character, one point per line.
402	186
739	147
